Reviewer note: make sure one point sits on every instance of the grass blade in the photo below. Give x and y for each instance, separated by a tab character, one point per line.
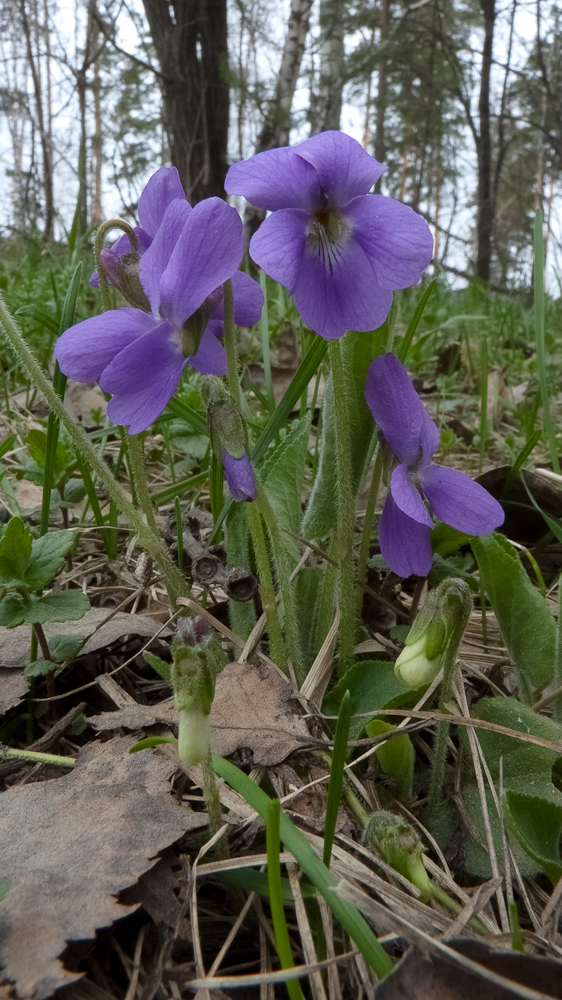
187	413
538	281
335	786
59	385
282	942
320	876
413	324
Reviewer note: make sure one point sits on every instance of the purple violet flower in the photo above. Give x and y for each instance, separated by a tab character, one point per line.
239	476
338	250
409	432
161	189
139	357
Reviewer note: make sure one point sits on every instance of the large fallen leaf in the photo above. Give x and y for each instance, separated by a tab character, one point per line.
13	687
14	643
69	846
251	712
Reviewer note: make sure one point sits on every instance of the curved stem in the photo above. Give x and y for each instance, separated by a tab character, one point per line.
368	524
138	475
102	232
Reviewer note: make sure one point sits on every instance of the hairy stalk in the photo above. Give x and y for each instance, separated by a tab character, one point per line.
98	247
148	539
138	475
345	506
267	589
368	525
230	346
34	757
213	803
283	573
326	609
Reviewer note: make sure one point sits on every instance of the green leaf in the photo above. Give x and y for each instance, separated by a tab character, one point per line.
15	554
37	447
66	605
396	757
152	741
160	666
74	492
296	842
526	767
537	825
527	626
39	668
445	541
7	445
372	685
65	647
47	555
252	881
283	475
321	514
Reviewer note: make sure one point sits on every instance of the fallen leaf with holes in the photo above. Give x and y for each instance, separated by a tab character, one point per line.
251	712
14	643
69	846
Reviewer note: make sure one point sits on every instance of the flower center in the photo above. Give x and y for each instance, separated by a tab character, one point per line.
328	236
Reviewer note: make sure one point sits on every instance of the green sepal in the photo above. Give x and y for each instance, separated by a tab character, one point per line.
160	666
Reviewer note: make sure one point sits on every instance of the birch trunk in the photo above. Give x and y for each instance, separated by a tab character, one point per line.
327	114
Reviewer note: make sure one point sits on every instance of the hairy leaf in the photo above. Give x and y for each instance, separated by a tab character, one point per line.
537	825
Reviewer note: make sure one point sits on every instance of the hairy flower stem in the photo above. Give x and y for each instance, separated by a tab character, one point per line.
230	345
267	589
442	730
148	539
368	525
98	247
345	507
138	475
283	574
213	803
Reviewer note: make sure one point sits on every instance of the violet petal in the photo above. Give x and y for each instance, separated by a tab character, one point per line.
207	253
248	299
278	246
398	410
274	179
397	240
85	349
161	189
155	260
239	476
460	502
336	289
211	355
407	497
345	170
405	543
150	358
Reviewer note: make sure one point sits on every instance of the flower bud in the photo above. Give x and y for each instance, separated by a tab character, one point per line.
197	659
436	633
239	476
192	630
227	436
399	844
122	270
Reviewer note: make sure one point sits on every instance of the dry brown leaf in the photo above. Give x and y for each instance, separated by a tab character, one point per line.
69	846
13	687
157	892
251	711
14	643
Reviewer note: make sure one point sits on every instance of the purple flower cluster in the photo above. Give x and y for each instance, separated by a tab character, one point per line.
139	356
413	437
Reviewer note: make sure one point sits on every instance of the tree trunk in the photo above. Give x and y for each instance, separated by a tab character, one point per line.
43	135
486	204
97	144
327	114
193	55
277	125
382	91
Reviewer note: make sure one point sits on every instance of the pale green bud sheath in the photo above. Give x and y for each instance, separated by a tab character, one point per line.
432	644
194	736
435	636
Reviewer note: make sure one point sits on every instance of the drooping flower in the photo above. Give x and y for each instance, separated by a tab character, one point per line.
227	437
160	190
338	250
413	437
138	357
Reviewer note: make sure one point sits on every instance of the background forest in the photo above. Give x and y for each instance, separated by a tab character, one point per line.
462	99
